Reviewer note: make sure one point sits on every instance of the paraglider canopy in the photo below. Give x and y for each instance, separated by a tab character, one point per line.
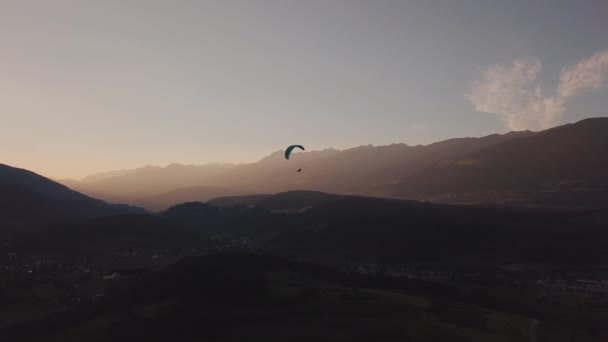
290	148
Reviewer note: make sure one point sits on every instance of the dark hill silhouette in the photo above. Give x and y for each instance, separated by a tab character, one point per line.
295	200
38	184
234	221
190	194
195	214
339	228
237	201
23	209
285	201
197	209
28	197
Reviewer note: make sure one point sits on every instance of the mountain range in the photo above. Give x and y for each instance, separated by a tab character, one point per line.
129	185
562	166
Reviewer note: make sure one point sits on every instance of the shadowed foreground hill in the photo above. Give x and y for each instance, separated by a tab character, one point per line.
395	231
264	297
362	229
107	235
249	297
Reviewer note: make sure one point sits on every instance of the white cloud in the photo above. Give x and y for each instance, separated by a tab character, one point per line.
513	91
591	73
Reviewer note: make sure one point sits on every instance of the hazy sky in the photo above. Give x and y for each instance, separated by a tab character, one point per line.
88	86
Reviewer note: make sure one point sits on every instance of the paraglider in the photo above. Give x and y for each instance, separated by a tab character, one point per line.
290	148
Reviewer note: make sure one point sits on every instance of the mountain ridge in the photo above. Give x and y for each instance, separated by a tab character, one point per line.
491	168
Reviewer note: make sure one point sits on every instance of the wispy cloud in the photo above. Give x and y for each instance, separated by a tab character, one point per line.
591	73
514	93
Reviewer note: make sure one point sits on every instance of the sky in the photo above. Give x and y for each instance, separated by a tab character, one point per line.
89	86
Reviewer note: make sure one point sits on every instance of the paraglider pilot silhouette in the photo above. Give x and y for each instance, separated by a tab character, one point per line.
290	149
